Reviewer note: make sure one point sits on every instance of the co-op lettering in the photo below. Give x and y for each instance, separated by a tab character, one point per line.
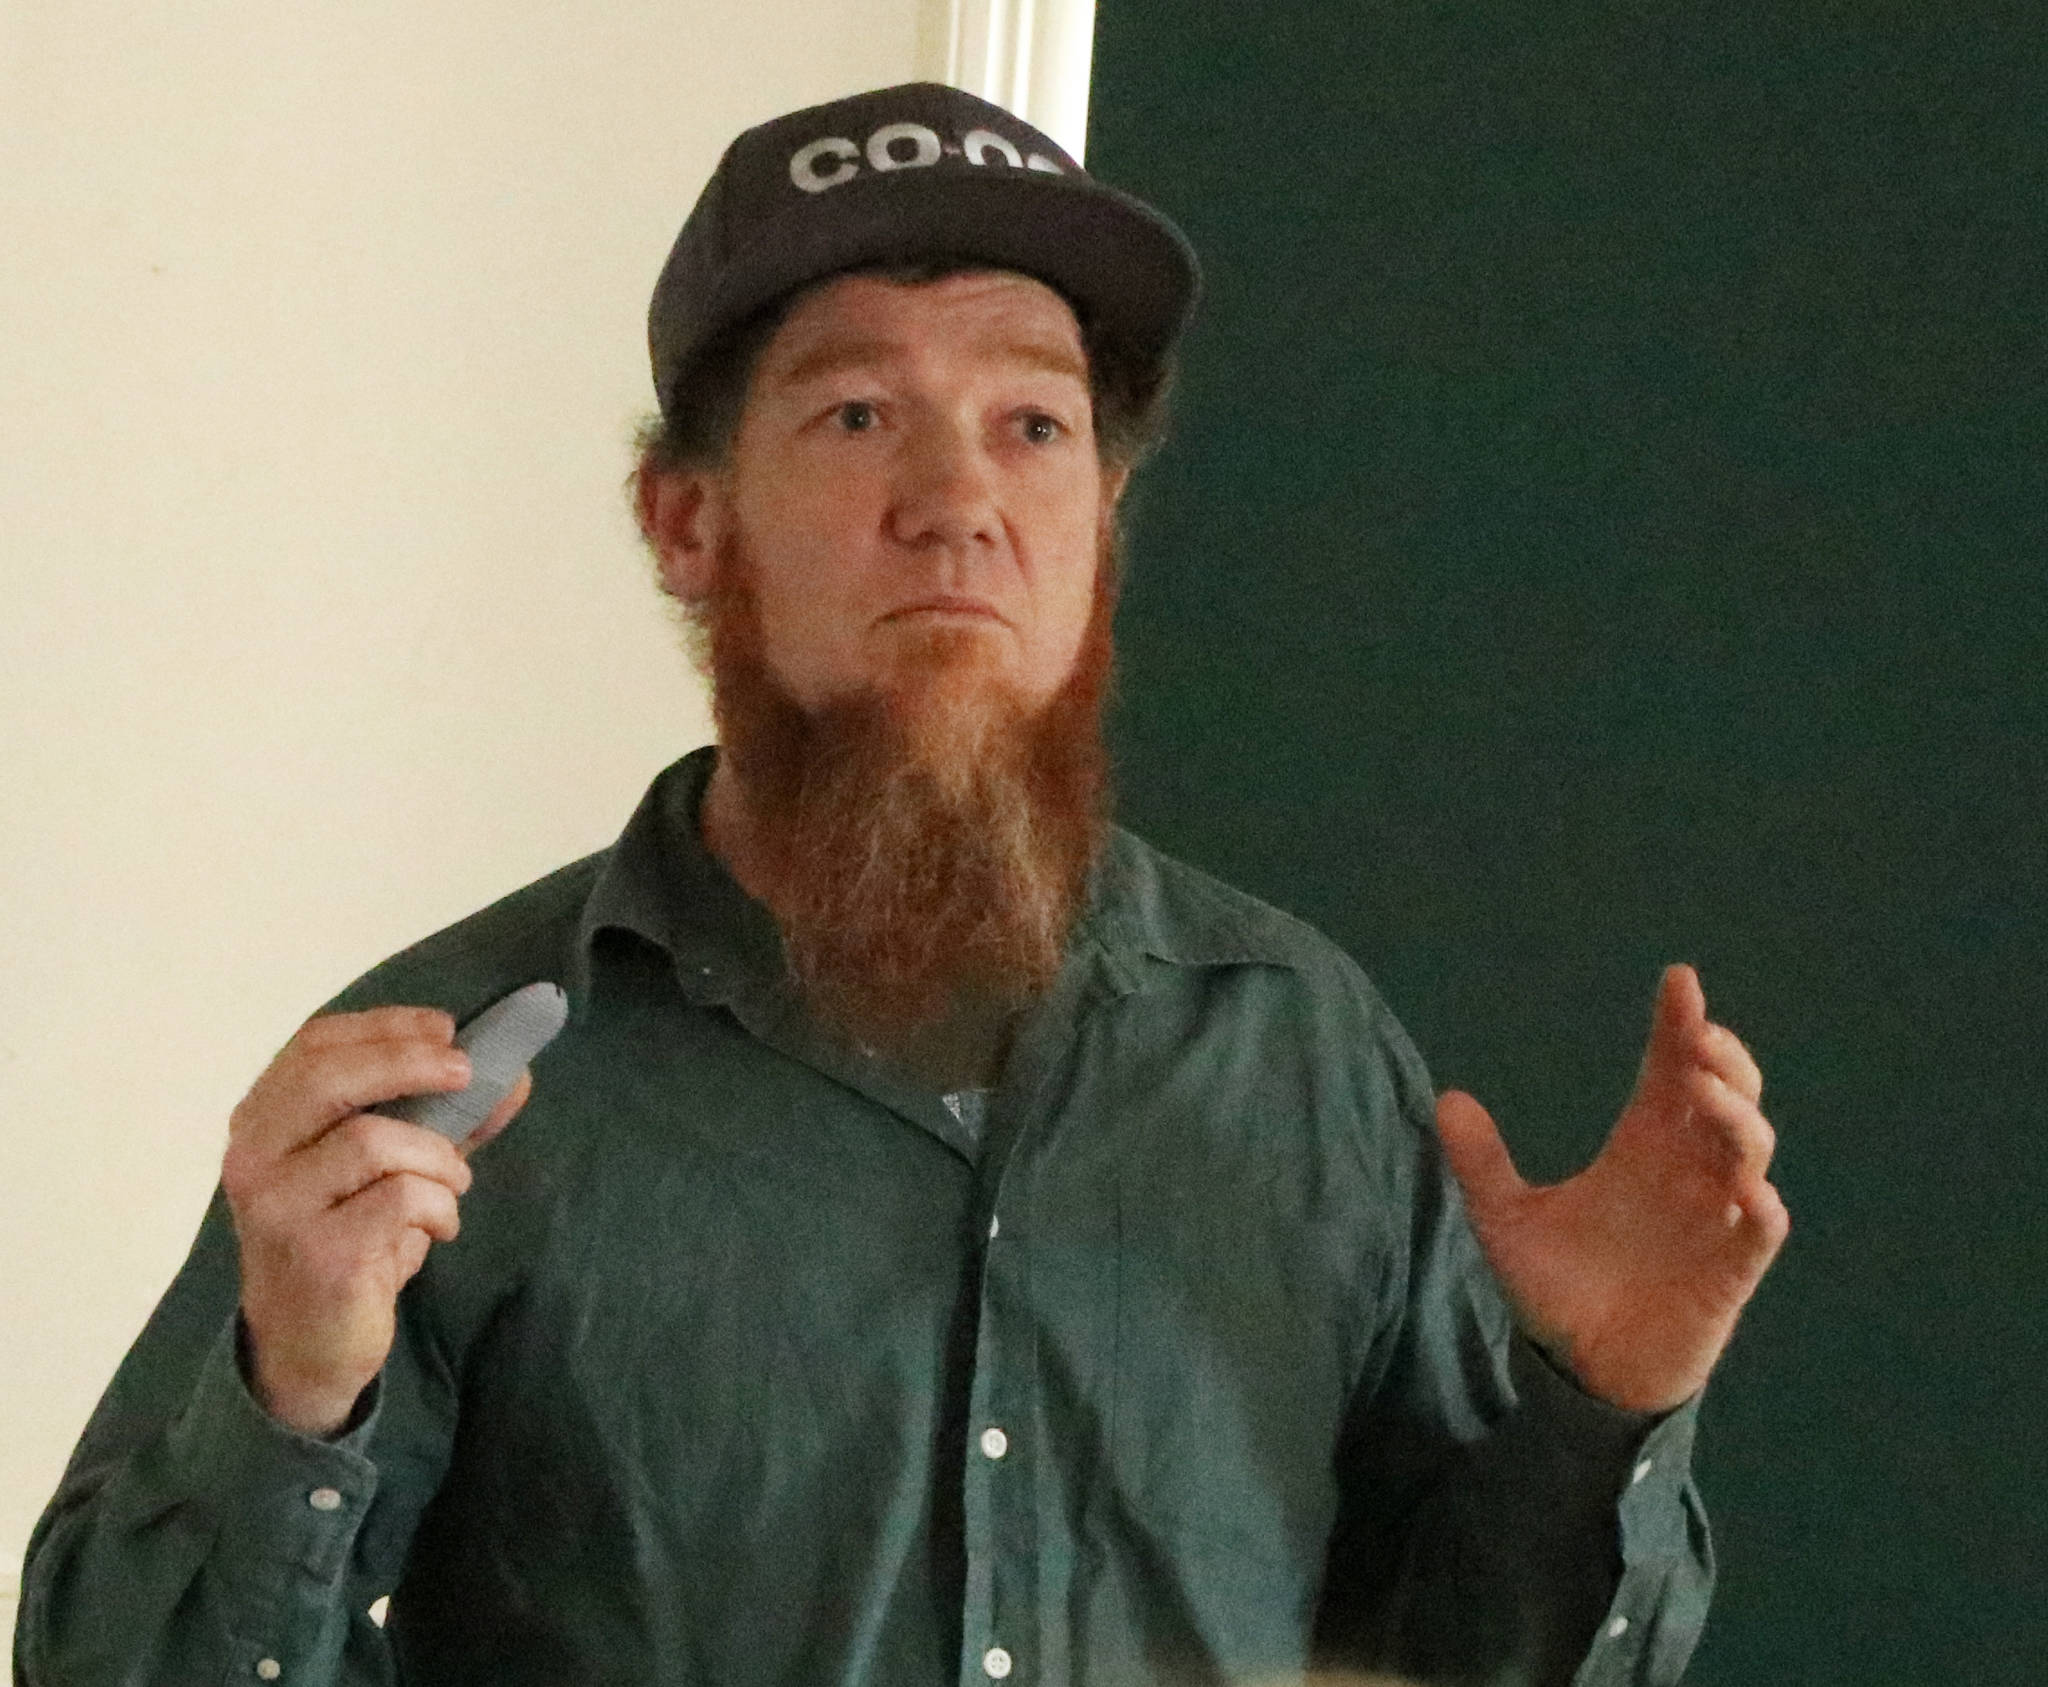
902	146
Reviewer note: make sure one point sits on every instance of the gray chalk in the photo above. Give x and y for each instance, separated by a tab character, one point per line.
500	1042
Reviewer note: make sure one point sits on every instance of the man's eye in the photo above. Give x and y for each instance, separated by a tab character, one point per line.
857	415
1041	429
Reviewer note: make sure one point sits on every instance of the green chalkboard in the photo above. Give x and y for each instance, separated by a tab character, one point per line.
1608	523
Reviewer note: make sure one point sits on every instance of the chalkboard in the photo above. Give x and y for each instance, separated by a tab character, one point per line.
1607	523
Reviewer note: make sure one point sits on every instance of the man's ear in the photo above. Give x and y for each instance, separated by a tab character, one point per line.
1113	483
683	515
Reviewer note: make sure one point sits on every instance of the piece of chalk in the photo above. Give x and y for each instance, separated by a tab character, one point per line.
500	1042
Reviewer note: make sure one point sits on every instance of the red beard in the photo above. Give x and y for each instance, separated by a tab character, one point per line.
925	848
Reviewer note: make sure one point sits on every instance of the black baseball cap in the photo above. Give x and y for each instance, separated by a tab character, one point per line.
919	171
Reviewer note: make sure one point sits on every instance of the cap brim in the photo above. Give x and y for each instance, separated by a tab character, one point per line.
1125	268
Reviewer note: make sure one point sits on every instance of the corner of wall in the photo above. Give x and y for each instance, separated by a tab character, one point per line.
1032	57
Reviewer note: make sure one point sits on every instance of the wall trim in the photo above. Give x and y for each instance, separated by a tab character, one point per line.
1030	56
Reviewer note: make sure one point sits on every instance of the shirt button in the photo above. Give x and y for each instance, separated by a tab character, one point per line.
268	1669
1643	1470
324	1499
1617	1628
994	1443
995	1663
994	1224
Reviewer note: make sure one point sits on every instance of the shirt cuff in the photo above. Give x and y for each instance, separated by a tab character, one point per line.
1642	1463
1601	1441
280	1502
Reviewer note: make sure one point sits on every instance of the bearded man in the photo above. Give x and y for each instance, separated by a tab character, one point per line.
950	1241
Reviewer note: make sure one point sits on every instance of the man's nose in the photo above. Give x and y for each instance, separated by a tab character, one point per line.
945	491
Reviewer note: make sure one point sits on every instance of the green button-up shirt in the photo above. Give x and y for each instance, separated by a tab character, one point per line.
752	1365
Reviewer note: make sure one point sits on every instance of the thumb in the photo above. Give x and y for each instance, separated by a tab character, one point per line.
1675	1026
1479	1159
501	1116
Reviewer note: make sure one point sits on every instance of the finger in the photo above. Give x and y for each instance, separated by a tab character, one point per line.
1730	1123
411	1253
1758	1225
404	1201
306	1091
1723	1054
501	1115
282	1196
1479	1159
1676	1023
332	1030
359	1151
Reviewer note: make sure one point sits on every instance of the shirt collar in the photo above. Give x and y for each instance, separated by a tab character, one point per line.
661	883
1146	907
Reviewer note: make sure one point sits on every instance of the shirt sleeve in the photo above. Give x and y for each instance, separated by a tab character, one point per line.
1566	1545
1499	1524
193	1537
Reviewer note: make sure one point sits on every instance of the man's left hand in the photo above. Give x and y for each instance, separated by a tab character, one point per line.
1634	1272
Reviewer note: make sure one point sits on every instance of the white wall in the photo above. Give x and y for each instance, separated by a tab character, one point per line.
323	621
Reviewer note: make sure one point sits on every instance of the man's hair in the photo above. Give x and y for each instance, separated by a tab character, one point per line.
1129	396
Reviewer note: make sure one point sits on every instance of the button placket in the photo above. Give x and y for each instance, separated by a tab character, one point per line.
1002	1533
984	1535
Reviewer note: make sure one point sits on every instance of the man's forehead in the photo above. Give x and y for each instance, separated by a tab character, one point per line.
870	317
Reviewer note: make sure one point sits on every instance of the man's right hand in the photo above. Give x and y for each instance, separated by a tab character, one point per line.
335	1207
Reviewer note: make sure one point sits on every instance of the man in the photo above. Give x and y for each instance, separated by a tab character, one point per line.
950	1241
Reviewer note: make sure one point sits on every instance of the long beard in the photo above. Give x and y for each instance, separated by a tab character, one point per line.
923	848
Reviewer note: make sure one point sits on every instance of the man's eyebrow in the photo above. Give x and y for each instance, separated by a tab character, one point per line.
1041	354
837	355
834	356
